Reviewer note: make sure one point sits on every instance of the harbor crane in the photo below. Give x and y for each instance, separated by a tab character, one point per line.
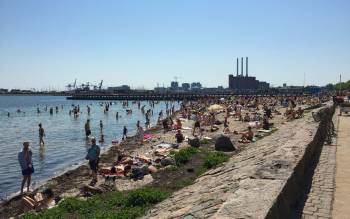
99	86
72	86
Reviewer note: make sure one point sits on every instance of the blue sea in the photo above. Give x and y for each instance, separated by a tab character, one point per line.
65	143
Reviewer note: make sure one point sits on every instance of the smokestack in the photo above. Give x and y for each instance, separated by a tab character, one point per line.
237	67
246	66
242	66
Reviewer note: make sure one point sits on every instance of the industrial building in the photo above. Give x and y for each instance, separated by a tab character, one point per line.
245	83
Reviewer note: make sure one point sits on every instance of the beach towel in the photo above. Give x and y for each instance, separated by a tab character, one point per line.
186	128
163	145
147	136
265	131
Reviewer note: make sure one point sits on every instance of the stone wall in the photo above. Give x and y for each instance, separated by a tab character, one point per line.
263	181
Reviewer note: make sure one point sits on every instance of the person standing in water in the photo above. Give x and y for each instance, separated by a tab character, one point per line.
88	110
87	128
26	163
41	134
101	125
125	132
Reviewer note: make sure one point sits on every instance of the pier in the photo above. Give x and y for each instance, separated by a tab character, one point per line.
148	96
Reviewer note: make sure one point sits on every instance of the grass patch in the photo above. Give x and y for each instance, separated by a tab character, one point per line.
213	159
205	141
200	170
172	168
132	204
144	197
183	183
184	155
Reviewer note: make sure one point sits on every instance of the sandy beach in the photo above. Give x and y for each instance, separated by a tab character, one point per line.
71	183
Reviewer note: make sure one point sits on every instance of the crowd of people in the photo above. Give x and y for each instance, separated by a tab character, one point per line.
205	115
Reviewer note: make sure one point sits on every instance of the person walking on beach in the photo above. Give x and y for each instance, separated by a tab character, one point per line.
87	128
197	125
140	134
25	161
41	134
125	132
93	157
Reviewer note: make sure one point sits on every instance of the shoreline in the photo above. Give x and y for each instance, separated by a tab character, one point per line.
80	172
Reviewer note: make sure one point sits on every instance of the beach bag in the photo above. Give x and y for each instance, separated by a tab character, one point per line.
92	153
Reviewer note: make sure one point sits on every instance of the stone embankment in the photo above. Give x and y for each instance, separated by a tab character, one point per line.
265	180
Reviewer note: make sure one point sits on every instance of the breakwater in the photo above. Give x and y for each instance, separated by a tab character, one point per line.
264	181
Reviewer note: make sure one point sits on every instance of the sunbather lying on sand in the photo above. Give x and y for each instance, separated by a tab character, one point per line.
248	136
40	201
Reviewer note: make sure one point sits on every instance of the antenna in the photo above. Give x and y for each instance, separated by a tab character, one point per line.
176	78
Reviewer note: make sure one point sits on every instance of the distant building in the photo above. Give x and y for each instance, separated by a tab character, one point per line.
160	89
174	85
15	91
241	82
186	86
4	91
119	89
196	86
290	89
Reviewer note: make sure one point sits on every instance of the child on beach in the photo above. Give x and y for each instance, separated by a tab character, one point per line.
226	127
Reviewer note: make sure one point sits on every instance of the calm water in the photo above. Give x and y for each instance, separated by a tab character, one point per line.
65	144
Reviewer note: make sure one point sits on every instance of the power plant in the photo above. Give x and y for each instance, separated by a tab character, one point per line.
245	83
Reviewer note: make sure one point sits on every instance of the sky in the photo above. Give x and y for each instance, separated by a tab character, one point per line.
47	44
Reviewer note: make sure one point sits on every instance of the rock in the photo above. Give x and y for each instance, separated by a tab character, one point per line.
223	143
194	142
167	161
93	190
217	122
